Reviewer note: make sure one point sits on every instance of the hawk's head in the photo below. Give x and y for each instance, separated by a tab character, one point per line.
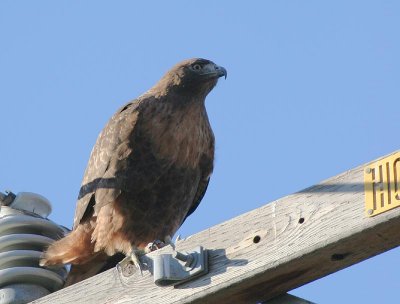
193	76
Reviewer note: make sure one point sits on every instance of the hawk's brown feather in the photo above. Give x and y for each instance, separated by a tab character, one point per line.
148	171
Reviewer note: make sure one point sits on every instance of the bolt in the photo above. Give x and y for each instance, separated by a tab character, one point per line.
128	270
187	258
368	170
370	211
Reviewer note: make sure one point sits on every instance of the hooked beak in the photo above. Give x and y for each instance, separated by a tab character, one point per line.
214	71
221	71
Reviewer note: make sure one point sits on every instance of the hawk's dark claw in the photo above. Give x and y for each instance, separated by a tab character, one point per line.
155	245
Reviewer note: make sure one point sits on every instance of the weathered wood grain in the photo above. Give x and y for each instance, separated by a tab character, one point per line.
287	299
301	237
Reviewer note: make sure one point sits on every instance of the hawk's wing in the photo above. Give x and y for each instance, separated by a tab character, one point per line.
98	169
206	167
201	190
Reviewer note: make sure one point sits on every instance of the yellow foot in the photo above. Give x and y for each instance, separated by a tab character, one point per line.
135	260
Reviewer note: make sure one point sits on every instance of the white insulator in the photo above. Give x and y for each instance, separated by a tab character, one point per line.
32	202
24	234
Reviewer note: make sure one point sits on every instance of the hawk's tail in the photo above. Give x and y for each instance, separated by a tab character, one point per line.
75	248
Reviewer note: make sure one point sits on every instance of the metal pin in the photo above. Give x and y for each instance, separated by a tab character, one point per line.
187	258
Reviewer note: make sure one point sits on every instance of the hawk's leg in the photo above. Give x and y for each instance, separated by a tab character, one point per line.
135	259
136	253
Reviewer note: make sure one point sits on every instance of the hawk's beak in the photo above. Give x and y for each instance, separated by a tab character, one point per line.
221	71
214	71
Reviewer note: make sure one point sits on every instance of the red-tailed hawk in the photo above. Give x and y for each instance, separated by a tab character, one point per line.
147	172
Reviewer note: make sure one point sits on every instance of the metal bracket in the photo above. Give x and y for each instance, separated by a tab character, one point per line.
179	267
6	199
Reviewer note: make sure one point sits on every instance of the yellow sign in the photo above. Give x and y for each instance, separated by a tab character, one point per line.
382	185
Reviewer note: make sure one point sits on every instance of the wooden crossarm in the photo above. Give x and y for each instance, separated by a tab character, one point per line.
265	252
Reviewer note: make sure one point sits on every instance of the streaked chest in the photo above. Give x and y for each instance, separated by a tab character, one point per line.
181	135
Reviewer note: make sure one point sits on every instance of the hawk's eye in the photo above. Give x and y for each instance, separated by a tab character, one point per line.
196	67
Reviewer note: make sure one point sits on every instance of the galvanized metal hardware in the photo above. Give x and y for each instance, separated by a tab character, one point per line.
24	233
7	198
169	269
179	267
382	185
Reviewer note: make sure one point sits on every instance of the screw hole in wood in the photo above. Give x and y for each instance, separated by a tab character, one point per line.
301	220
338	256
256	239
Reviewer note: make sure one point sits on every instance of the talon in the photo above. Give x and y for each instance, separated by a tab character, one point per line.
135	260
156	244
168	241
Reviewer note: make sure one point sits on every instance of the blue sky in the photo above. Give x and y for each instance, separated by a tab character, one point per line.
312	90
